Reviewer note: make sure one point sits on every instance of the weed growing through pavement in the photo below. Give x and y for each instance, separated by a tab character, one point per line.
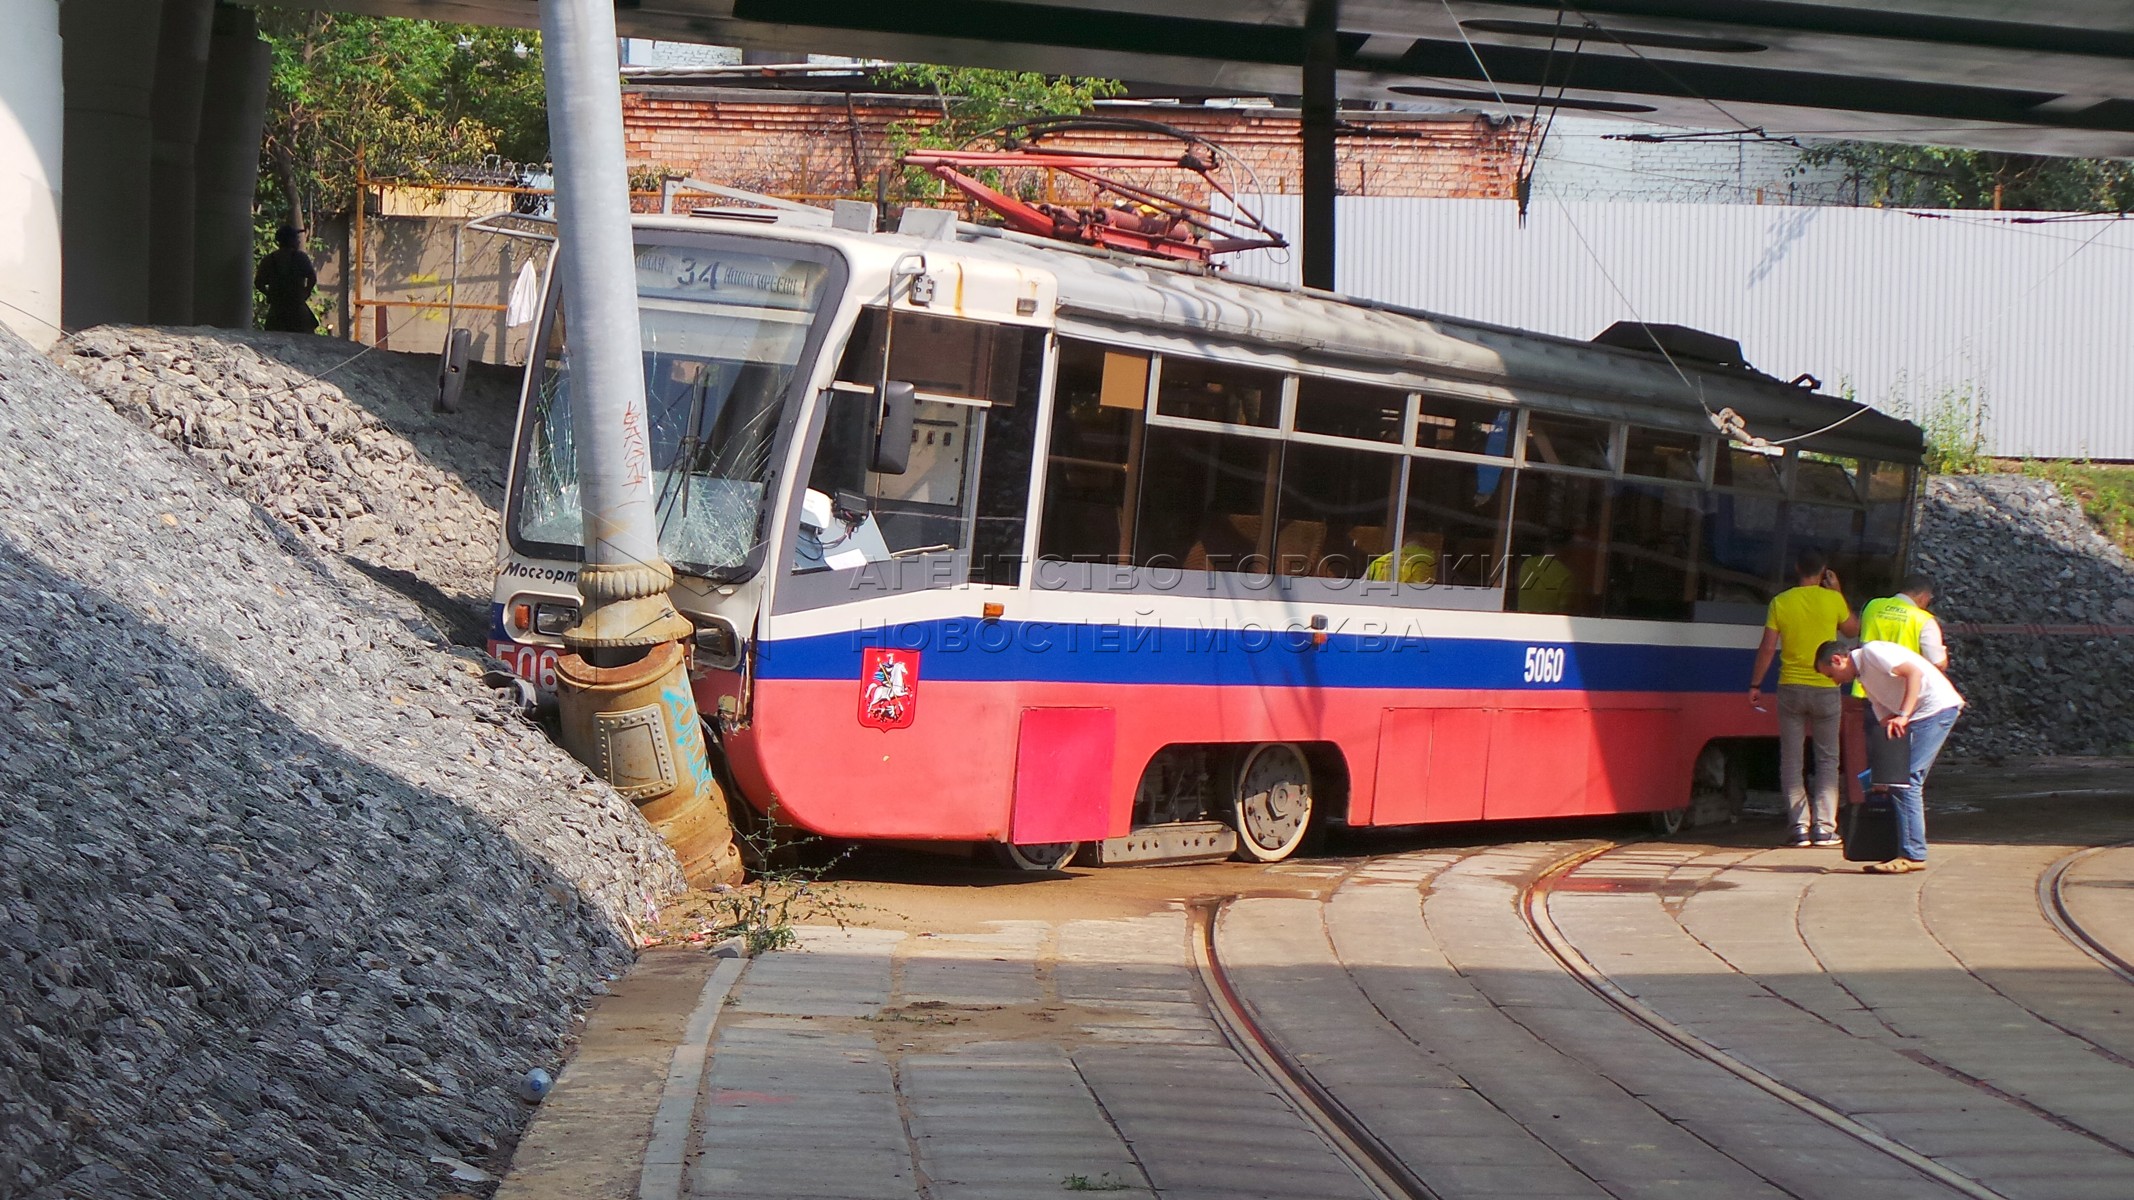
785	890
920	1012
1102	1183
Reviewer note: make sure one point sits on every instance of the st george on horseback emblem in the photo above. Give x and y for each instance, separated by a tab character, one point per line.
889	687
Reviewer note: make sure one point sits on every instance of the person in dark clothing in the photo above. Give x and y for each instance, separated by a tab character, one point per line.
287	278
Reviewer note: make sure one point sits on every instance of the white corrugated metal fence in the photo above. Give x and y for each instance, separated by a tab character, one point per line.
1903	308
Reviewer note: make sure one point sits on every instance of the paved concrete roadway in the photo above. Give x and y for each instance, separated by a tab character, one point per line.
1022	1062
1953	1041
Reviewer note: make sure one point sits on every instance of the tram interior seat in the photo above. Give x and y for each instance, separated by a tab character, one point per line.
1349	553
1298	546
1225	540
1231	542
1084	530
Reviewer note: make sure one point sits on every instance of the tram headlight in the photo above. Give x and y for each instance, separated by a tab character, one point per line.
553	619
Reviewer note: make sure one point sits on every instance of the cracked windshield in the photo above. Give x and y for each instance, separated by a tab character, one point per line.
724	332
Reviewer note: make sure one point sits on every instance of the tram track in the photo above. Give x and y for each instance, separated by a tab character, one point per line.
1372	1160
2052	901
1382	1168
1534	910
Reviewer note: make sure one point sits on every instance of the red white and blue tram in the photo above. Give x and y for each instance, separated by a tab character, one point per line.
993	539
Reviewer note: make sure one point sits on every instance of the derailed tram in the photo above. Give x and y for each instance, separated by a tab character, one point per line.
991	539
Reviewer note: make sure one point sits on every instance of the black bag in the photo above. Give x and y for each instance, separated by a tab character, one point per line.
1871	826
1889	759
1871	830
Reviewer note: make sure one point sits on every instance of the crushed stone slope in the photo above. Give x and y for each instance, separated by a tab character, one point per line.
291	900
2005	549
339	441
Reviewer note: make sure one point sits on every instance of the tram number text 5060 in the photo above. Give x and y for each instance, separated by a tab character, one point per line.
1544	664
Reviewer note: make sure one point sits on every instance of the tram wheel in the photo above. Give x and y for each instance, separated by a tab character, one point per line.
1038	856
1718	784
1273	808
1668	822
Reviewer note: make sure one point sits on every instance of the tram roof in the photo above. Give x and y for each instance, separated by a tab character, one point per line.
1106	294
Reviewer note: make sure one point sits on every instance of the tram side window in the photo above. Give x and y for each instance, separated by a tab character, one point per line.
1884	487
928	507
1091	469
1559	530
1653	549
1824	480
1744	539
1205	501
1338	408
1749	471
1443	423
1663	455
1004	469
1336	510
1454	531
1836	531
1559	441
942	355
1221	392
872	516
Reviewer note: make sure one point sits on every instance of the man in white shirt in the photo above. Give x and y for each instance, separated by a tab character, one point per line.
1912	699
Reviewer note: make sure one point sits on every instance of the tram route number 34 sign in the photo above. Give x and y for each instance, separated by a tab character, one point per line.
889	687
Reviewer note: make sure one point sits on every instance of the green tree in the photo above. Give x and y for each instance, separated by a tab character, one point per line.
1939	177
974	100
400	96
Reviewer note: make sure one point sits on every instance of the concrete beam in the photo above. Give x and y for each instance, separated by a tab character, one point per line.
1321	30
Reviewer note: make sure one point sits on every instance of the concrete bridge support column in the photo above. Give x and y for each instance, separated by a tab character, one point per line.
233	110
174	106
110	69
1321	108
32	103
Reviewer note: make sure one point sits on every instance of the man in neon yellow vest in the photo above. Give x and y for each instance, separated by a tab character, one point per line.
1904	619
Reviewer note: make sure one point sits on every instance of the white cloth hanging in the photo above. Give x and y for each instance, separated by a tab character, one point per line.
525	302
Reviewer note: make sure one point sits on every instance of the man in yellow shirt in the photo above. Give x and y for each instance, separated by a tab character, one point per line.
1801	619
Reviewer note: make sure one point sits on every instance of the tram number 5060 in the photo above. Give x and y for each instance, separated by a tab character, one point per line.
1544	664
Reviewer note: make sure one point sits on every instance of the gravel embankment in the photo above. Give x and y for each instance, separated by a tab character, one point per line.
291	901
339	442
2005	549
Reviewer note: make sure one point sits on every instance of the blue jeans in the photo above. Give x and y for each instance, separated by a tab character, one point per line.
1927	735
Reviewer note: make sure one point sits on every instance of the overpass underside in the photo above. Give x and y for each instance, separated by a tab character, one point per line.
2030	76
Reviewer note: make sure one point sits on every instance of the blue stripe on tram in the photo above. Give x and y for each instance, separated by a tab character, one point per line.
972	650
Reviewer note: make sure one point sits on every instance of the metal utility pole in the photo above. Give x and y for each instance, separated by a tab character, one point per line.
1321	45
624	580
627	709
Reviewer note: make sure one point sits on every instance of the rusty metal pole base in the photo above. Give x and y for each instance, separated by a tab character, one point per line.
636	726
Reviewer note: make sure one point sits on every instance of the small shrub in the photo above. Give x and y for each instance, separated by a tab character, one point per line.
1954	422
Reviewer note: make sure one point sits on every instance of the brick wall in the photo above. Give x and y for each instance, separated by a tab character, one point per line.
816	144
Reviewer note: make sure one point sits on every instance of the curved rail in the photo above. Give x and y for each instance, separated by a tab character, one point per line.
1534	908
2053	901
1371	1159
